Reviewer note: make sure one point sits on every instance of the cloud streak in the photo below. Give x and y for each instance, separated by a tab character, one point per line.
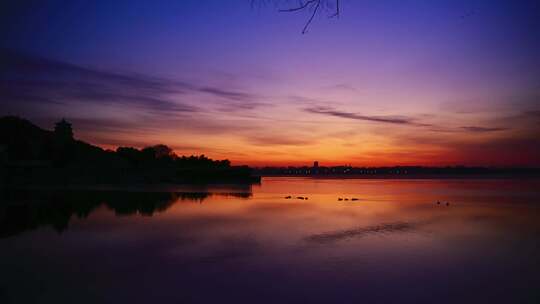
265	140
476	129
33	79
401	120
355	116
232	95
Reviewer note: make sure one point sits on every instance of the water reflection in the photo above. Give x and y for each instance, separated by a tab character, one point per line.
27	210
394	245
385	228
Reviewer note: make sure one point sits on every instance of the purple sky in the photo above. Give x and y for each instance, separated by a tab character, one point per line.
389	82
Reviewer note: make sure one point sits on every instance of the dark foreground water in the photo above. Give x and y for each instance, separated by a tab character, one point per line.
394	244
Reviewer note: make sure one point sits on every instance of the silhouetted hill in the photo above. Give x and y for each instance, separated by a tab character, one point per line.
26	142
30	155
23	140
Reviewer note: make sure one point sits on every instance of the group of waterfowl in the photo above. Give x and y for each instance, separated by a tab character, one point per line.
305	198
346	199
298	197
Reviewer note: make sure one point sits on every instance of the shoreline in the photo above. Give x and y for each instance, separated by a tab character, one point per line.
411	176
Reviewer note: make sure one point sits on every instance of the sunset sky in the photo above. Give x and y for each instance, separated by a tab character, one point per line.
387	83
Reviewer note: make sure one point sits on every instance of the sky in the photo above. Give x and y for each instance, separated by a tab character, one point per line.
394	82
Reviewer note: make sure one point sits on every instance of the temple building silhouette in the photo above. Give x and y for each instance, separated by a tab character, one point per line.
63	130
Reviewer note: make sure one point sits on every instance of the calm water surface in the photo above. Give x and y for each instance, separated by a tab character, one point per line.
395	244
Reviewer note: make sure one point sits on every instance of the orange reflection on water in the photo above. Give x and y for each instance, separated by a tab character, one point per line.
389	215
393	244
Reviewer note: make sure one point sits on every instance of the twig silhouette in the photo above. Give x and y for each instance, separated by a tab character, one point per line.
316	5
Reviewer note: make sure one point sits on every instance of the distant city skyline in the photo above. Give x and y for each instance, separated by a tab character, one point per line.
388	83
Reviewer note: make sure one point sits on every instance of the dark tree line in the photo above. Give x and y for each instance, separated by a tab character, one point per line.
164	156
31	155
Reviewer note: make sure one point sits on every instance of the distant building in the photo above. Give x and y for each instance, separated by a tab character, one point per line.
63	130
315	169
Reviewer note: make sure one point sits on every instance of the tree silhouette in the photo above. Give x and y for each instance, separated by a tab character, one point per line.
37	156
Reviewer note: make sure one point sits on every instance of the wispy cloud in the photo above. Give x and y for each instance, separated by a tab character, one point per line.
341	87
266	140
483	129
233	95
518	150
155	124
403	120
532	113
33	79
242	106
371	118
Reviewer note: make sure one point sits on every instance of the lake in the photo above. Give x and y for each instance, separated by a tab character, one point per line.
249	244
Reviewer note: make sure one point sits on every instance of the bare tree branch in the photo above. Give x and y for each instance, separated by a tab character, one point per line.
331	7
315	5
301	7
311	18
336	14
